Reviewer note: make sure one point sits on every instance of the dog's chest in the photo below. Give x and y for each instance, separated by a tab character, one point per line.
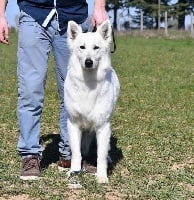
88	106
86	100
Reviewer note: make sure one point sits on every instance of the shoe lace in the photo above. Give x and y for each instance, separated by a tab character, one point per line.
31	162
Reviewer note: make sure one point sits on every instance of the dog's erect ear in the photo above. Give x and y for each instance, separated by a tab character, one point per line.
105	30
73	30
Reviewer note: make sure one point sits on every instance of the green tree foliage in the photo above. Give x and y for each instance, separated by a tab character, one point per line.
150	9
115	5
181	9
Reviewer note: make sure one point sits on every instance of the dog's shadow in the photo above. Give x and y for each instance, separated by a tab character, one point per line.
115	153
51	154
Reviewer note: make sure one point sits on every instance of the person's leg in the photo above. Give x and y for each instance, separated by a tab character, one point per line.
33	51
61	56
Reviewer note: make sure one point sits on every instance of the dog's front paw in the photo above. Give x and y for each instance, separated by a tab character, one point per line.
102	179
68	173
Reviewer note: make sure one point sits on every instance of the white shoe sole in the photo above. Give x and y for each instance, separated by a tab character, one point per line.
29	178
62	169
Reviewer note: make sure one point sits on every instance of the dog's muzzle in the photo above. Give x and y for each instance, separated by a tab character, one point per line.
88	63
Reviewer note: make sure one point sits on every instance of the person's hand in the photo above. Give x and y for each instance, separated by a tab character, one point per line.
99	15
4	30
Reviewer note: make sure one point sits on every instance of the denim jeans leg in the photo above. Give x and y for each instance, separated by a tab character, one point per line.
33	51
61	56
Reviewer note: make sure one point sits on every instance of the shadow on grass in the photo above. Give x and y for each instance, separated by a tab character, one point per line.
51	152
115	154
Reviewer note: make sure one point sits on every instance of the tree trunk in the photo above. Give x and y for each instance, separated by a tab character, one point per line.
156	20
181	21
183	5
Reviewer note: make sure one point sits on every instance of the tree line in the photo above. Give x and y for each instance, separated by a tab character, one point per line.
153	11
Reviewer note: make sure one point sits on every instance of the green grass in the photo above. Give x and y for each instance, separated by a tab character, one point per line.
152	127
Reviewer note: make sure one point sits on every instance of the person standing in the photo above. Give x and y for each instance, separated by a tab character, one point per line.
42	27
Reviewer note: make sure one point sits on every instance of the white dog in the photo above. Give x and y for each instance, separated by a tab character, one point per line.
91	90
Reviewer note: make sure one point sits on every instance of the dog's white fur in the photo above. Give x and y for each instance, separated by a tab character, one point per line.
91	90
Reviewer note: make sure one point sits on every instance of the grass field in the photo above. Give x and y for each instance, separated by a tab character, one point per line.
152	127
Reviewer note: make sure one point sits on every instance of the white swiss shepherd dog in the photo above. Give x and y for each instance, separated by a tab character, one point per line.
91	90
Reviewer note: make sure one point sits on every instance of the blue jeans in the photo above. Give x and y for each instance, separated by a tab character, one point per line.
34	45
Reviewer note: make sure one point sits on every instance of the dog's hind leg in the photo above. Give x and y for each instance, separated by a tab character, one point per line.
103	140
75	135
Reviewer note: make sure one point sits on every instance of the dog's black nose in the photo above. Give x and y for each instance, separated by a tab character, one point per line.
88	63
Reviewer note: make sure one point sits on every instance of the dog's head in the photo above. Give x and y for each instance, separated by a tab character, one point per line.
90	47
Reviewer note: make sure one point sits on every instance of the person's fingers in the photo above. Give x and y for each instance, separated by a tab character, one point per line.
7	34
4	31
4	36
93	22
99	17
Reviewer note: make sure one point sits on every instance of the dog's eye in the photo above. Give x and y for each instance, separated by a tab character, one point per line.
82	47
96	47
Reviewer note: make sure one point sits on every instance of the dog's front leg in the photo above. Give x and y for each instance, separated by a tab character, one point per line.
103	139
75	143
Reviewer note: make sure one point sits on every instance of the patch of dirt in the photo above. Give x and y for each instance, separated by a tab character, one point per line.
154	179
18	197
189	187
179	166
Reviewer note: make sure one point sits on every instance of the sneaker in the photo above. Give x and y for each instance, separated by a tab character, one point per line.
89	167
30	169
63	164
75	179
